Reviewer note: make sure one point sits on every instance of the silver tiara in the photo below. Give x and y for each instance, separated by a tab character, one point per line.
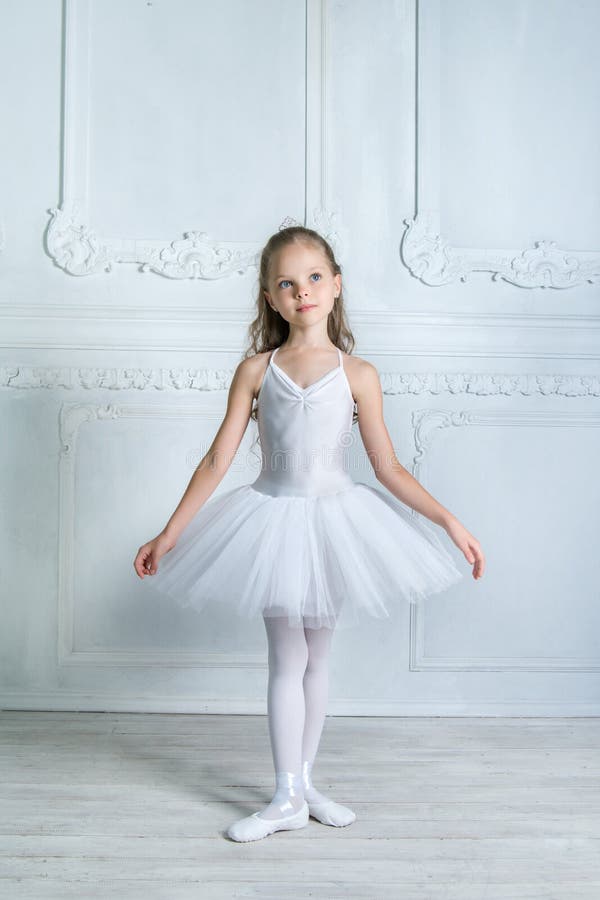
288	222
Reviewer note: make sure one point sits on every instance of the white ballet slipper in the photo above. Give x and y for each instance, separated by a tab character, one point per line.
253	827
332	813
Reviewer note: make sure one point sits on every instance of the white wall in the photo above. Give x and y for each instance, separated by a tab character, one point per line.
190	117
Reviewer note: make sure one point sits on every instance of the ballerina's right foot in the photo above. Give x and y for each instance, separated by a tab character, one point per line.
286	811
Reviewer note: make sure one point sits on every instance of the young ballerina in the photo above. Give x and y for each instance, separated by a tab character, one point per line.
304	545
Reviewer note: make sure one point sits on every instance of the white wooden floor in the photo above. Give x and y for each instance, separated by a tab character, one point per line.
136	806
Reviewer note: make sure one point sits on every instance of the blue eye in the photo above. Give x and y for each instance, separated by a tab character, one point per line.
286	281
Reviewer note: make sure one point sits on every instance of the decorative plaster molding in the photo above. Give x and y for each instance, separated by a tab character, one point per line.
488	384
116	378
423	250
71	240
75	248
79	251
431	259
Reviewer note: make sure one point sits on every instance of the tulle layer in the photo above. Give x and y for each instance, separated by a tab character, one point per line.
333	559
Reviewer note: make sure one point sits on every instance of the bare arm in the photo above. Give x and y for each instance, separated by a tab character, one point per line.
214	464
210	470
366	388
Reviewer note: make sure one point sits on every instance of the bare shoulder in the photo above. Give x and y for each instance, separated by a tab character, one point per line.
362	376
252	369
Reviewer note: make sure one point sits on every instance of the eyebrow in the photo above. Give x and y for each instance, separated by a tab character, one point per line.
311	269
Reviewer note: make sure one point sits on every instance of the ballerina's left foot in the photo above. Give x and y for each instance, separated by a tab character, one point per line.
322	808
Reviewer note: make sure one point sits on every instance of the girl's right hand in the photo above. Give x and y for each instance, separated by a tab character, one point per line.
146	561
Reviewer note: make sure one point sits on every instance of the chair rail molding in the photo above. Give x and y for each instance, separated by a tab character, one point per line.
151	378
73	243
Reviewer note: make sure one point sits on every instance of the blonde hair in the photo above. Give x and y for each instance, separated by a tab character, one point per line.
269	330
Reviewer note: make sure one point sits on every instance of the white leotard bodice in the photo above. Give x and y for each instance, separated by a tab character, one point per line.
304	433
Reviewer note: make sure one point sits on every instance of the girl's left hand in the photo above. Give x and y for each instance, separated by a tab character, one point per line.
469	545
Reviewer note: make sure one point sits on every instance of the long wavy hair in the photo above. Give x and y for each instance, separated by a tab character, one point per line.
269	330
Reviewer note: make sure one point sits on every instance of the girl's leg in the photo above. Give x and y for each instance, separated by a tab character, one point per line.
316	690
288	655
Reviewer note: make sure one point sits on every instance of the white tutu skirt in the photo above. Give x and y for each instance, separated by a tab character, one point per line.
334	560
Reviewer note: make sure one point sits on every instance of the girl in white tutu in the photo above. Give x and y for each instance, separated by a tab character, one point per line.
304	545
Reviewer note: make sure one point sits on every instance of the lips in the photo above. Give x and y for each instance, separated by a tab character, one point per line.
306	306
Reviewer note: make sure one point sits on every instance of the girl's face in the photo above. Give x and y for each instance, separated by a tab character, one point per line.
302	285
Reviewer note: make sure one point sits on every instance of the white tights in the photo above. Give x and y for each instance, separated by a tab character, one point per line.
296	703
